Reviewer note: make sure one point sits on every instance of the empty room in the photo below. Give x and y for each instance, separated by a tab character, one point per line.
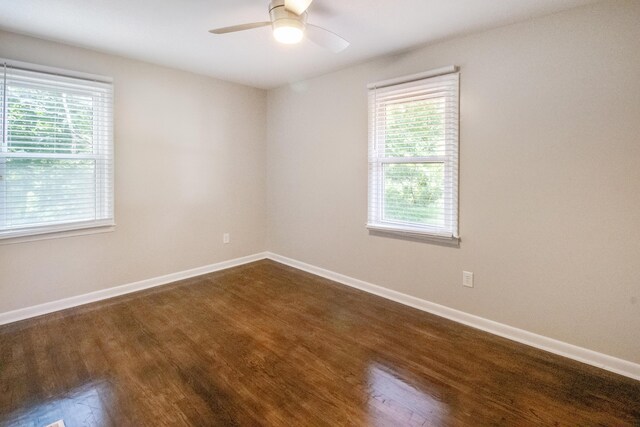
319	213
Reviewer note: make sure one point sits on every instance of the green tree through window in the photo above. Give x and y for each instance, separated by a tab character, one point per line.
413	191
41	122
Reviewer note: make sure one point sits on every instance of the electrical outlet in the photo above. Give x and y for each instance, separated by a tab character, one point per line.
226	238
467	279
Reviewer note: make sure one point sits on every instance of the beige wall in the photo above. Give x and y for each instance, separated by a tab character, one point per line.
189	166
549	178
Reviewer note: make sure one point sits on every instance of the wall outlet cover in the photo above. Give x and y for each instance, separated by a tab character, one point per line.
467	279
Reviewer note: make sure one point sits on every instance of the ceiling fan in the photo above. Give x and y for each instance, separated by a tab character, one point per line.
289	22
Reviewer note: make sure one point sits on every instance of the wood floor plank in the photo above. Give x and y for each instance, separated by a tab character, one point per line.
265	344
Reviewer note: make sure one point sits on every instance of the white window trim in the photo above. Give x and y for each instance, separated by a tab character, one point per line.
60	232
448	235
68	229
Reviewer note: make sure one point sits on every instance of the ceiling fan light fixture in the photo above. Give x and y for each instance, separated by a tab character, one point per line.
288	31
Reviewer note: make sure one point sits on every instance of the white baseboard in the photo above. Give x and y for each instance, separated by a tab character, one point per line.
590	357
49	307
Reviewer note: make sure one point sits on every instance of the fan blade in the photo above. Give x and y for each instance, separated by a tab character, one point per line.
241	27
326	38
297	6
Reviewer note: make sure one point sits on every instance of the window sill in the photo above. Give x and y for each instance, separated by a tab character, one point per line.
413	235
62	232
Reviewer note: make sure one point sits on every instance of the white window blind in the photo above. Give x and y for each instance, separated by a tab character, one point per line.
56	152
413	157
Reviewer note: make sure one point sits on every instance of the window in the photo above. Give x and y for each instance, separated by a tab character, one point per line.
56	151
413	156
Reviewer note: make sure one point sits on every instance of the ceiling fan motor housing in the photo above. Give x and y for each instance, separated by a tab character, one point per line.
281	17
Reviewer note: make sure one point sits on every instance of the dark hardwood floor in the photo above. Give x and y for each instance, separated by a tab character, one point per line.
265	344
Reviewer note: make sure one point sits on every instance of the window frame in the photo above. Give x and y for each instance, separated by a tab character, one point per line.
376	223
103	151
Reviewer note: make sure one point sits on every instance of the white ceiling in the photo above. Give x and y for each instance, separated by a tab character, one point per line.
174	32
